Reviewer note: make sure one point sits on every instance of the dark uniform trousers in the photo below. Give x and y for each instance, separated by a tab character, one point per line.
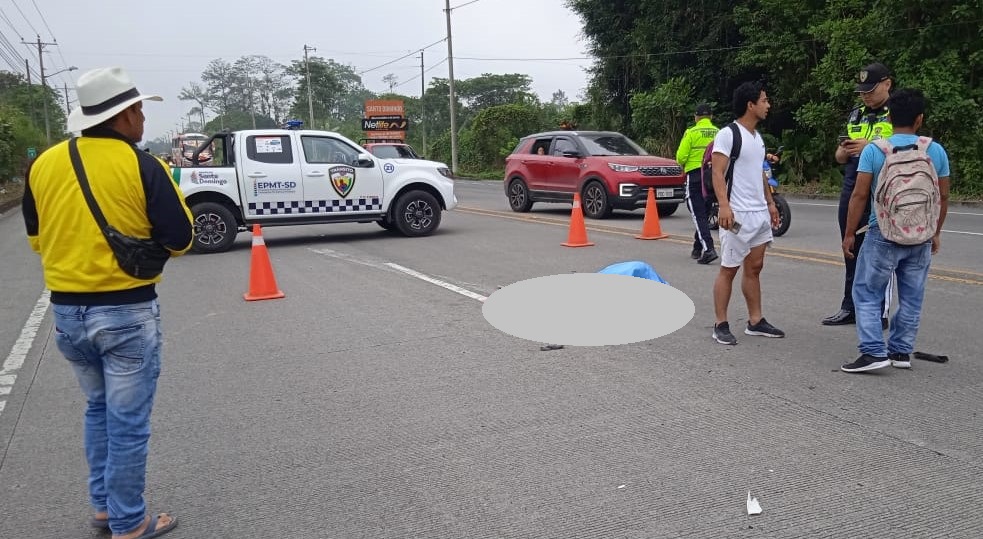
697	205
849	180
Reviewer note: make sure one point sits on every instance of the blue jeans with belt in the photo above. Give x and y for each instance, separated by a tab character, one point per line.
115	353
878	259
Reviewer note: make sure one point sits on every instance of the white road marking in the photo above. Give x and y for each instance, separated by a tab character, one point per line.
438	282
14	361
961	232
402	269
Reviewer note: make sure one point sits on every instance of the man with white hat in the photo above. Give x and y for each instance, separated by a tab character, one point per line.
107	321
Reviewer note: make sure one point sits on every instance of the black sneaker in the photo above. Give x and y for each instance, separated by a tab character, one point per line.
707	257
722	334
900	361
763	329
866	363
697	251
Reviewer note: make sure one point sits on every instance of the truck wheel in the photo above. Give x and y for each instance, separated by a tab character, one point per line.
416	213
665	210
215	228
594	201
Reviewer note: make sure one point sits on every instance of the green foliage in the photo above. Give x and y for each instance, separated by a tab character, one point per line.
19	129
807	51
661	116
495	128
490	90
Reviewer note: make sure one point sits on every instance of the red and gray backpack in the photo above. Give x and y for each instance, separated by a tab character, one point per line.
705	172
907	200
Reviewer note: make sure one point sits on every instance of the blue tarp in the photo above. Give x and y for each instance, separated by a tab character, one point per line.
634	269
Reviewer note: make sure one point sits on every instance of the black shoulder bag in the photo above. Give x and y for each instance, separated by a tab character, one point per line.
140	258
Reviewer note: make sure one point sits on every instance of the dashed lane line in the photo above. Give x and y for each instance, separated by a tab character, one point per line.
15	359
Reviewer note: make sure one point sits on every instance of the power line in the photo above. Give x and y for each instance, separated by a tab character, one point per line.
439	41
50	33
414	77
10	24
25	17
465	4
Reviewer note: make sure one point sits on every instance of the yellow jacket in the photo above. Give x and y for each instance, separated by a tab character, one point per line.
695	141
136	194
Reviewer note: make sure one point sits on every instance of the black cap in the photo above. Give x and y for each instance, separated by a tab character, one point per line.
703	109
869	76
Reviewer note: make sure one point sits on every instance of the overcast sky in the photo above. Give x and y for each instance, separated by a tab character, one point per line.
166	44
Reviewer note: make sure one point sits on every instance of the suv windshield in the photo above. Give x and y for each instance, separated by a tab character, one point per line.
610	144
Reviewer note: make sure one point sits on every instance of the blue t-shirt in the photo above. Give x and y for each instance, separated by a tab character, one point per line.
872	159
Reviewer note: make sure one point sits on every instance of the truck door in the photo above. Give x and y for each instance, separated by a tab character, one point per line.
270	179
334	183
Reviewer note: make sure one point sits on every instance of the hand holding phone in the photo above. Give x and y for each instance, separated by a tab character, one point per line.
843	139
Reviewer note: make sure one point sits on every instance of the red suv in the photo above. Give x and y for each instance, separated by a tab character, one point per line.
608	169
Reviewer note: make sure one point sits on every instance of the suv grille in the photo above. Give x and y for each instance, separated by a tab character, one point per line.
661	171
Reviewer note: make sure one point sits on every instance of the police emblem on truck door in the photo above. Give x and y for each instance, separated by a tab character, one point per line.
342	179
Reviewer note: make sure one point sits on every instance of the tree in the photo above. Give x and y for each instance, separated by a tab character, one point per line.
490	90
219	77
336	93
807	51
195	92
391	80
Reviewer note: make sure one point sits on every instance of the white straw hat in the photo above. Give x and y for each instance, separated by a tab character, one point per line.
102	94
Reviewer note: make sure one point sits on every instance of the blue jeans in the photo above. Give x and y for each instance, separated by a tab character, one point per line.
877	261
115	353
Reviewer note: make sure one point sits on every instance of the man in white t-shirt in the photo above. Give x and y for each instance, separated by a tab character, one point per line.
746	216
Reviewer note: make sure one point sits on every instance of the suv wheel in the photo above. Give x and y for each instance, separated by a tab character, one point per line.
595	201
518	194
416	213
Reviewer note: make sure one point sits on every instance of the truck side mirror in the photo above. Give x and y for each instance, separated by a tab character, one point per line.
364	161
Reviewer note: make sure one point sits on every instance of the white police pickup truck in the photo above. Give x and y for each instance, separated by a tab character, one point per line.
277	177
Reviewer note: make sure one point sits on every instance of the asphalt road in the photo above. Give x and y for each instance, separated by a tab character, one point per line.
375	401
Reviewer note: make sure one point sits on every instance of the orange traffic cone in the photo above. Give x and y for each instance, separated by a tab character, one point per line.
578	230
262	283
650	226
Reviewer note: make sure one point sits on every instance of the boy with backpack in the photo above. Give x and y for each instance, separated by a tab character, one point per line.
907	179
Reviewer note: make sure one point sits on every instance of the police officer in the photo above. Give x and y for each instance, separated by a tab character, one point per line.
690	157
867	122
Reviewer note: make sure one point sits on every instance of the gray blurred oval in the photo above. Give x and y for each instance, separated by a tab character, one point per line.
588	309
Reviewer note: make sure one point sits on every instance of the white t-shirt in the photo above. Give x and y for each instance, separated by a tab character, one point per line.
748	191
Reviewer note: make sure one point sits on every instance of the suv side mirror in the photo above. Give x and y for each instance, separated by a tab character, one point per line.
365	161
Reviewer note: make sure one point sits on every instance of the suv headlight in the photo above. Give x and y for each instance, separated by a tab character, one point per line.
617	167
445	172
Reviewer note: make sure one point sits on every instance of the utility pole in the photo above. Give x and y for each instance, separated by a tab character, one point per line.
453	99
310	102
30	93
44	86
423	117
68	108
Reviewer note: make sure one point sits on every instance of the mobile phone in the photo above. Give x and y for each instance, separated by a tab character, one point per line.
736	227
843	138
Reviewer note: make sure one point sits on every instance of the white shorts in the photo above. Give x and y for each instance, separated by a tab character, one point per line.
755	231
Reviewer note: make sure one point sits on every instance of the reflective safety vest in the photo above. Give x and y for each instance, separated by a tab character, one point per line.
870	124
694	142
